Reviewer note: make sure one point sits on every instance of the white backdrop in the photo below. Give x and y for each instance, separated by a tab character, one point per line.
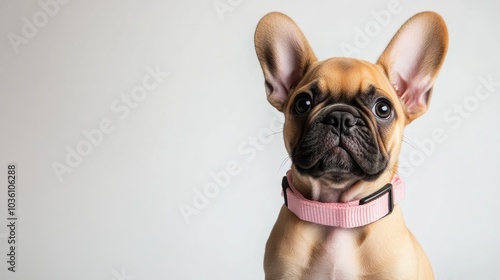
122	115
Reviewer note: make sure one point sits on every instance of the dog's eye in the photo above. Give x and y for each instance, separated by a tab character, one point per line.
382	109
303	104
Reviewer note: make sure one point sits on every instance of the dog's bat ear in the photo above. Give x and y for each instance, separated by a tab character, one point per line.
284	55
413	58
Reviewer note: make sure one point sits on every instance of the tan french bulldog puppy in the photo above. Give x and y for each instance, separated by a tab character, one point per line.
344	121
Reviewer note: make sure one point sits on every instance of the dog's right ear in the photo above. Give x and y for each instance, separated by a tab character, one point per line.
284	55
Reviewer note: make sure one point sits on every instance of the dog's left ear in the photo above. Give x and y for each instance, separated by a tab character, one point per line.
413	58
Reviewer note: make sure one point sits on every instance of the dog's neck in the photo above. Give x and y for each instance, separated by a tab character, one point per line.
325	191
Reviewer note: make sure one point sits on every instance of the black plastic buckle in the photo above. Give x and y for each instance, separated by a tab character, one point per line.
385	189
284	186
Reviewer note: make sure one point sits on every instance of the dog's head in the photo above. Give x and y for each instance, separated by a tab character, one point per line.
344	117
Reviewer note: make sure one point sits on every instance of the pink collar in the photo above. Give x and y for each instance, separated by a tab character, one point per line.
345	215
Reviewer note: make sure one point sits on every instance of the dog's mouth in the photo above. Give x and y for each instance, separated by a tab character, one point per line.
325	152
337	164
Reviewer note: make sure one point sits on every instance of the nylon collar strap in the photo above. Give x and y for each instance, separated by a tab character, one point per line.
345	215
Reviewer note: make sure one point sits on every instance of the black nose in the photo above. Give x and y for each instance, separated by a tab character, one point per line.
342	122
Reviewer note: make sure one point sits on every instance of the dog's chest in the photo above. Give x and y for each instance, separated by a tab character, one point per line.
337	257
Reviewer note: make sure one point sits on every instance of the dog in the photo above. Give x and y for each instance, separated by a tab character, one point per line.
343	130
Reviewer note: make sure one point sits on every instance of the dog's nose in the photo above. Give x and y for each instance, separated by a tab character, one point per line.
342	122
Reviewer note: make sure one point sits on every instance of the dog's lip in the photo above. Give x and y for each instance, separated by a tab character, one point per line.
340	153
343	155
